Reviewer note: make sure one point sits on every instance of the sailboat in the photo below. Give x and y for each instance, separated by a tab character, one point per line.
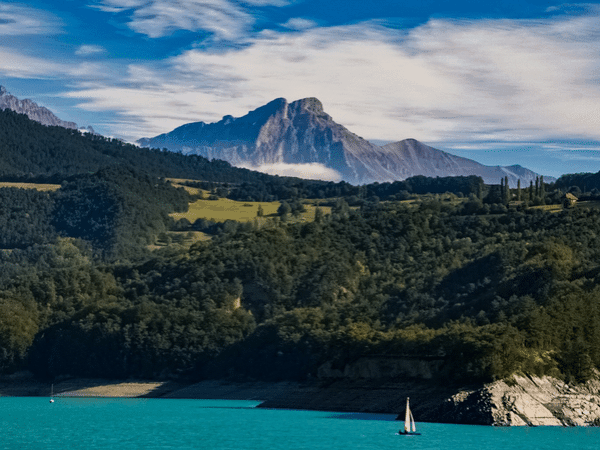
409	423
52	393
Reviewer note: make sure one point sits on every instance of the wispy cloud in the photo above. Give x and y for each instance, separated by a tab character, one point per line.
89	50
18	20
451	81
312	171
299	23
17	65
224	19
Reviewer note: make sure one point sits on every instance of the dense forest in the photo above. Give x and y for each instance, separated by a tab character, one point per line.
34	152
482	277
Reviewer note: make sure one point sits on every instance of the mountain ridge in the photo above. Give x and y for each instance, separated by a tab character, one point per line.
32	110
301	132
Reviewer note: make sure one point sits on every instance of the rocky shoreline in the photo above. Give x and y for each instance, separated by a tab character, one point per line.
518	401
527	401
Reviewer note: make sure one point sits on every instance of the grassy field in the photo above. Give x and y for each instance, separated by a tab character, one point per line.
177	182
558	208
224	209
39	187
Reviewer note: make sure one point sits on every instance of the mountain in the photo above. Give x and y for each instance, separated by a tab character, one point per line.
302	133
32	110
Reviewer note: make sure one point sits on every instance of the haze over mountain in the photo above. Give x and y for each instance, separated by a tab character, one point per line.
35	112
301	133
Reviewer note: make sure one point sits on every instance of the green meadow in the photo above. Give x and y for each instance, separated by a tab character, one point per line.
224	209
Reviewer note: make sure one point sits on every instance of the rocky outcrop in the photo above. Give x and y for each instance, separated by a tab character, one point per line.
32	110
301	132
524	401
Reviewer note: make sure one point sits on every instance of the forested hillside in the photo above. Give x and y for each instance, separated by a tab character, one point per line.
491	294
478	277
30	150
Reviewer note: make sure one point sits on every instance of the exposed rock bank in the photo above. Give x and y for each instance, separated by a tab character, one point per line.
526	401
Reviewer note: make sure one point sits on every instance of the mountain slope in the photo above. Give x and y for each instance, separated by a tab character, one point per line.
31	150
32	110
301	132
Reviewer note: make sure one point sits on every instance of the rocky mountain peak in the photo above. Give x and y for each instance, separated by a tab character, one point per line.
301	132
311	104
32	110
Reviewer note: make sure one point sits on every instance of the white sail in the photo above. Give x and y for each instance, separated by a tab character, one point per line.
407	417
412	423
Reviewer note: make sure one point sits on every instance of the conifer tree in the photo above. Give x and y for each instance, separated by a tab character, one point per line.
531	191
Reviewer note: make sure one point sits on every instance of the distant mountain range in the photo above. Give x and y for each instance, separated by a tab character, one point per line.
32	110
302	133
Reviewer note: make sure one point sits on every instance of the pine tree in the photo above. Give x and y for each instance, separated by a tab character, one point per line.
531	191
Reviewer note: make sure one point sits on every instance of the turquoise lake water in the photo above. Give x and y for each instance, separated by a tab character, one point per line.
83	423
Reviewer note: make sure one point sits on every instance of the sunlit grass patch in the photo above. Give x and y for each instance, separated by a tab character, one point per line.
224	209
37	186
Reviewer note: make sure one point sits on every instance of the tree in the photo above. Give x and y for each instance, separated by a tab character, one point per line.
531	191
284	209
260	212
318	215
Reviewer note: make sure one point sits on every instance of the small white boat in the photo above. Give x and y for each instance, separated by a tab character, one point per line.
409	423
52	394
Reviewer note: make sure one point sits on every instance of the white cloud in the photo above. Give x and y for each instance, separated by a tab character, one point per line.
17	20
452	81
89	50
115	6
312	171
298	23
14	64
225	19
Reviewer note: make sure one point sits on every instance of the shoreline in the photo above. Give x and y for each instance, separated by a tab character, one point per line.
339	396
520	401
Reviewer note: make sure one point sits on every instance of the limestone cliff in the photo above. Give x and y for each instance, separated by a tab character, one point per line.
32	110
526	401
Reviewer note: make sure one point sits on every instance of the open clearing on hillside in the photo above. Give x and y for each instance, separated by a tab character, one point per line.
180	182
224	209
558	208
39	187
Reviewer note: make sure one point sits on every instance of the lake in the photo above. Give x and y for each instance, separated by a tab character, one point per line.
92	423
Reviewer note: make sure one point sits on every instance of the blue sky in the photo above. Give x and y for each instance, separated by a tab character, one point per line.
511	82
